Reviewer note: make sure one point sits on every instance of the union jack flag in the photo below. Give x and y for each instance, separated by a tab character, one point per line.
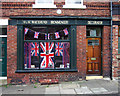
57	35
35	49
47	55
59	49
36	34
26	30
65	31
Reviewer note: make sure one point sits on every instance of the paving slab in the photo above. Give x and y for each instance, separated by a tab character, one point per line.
67	91
69	86
83	90
98	90
52	89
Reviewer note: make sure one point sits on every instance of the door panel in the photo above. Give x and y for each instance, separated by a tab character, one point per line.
3	56
93	52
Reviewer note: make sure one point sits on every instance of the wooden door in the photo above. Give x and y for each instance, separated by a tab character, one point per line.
93	52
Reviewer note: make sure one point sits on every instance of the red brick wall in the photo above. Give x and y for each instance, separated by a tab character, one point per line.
53	12
116	56
106	51
115	52
81	50
98	9
11	50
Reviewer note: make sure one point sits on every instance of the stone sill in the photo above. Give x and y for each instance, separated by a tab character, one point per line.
44	6
74	6
70	6
40	71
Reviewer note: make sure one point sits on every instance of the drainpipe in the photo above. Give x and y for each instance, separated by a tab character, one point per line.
111	43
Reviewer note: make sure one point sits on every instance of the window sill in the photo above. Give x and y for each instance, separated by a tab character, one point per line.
39	71
74	6
44	6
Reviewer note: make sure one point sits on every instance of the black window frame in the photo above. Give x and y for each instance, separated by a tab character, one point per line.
20	51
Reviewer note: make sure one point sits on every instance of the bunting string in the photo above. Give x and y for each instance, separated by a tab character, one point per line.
36	34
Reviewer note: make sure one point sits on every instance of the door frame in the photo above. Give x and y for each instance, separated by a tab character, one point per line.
101	73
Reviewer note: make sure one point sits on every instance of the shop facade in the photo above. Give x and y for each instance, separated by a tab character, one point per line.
58	43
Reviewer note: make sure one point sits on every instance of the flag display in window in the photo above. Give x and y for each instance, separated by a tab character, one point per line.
35	49
59	49
47	55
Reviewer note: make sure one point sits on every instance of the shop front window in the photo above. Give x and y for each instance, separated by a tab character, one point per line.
47	47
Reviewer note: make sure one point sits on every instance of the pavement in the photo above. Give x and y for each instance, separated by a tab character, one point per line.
99	86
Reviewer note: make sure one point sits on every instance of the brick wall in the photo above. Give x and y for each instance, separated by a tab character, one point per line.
11	50
116	56
98	9
81	50
115	52
106	51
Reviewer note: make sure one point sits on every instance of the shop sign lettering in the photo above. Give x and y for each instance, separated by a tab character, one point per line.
59	22
95	22
35	22
45	22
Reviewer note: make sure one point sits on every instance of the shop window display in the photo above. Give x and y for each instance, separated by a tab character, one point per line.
46	47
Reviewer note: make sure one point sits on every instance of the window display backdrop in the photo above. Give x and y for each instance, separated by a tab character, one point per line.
46	47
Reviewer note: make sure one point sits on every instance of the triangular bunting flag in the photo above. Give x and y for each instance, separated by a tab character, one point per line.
57	35
65	31
36	35
26	30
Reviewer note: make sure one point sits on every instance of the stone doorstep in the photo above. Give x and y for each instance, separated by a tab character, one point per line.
3	82
3	78
93	77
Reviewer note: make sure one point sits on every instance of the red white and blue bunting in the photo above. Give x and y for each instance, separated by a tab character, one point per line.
36	34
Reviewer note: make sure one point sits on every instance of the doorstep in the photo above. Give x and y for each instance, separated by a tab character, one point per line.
93	77
3	81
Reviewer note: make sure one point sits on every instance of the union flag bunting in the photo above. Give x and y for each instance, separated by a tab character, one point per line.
59	49
65	31
47	55
26	30
36	35
57	35
35	49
